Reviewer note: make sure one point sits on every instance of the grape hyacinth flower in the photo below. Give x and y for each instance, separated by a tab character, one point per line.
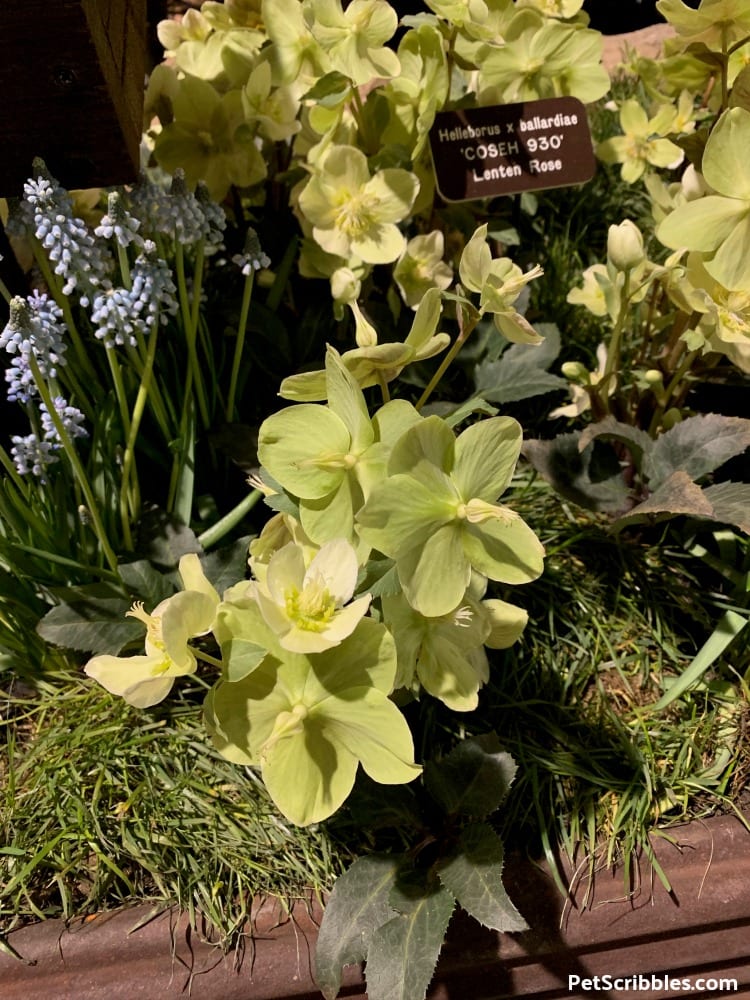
71	248
70	417
118	223
34	329
30	455
120	313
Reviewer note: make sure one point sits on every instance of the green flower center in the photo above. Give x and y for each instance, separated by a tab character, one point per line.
354	215
312	608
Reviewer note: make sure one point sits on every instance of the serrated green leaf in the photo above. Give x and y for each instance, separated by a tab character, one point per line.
404	951
226	566
97	625
592	478
678	495
697	446
357	905
473	779
474	876
379	579
521	371
164	539
638	441
731	503
145	581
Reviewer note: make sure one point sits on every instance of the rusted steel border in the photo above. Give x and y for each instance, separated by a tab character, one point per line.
700	929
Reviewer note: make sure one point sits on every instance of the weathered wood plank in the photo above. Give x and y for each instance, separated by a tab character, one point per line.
71	75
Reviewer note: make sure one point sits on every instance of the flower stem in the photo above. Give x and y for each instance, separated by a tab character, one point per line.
463	335
128	462
76	464
190	330
239	343
217	531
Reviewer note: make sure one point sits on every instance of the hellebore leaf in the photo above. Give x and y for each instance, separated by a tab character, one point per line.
404	951
697	446
358	904
473	779
474	876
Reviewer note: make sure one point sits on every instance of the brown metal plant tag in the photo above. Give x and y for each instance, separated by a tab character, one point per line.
507	148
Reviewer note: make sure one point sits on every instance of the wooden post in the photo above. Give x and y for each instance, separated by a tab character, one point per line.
71	90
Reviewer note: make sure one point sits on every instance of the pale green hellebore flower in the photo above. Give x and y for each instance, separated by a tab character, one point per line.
210	139
421	267
329	456
447	653
308	721
353	38
543	58
295	54
436	514
716	23
354	215
372	364
144	681
640	146
307	607
499	282
718	225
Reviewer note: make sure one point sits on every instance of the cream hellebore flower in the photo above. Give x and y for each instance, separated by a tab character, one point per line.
374	363
715	23
718	225
353	214
146	680
353	38
447	652
308	608
499	282
421	267
640	146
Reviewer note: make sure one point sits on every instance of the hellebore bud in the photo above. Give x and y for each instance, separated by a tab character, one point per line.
625	246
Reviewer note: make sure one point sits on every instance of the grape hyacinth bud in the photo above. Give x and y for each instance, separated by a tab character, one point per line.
215	218
118	223
253	258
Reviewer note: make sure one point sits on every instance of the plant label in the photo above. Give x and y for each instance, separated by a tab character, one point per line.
507	148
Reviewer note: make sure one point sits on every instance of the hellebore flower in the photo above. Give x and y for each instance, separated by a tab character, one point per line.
447	652
436	514
373	364
354	214
353	38
146	680
308	721
640	146
308	608
718	225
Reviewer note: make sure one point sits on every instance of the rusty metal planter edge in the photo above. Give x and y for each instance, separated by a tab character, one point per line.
700	929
